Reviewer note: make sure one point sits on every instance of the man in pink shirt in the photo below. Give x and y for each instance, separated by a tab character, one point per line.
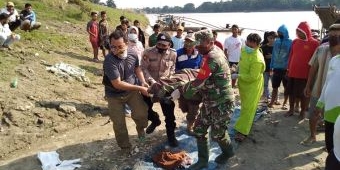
301	52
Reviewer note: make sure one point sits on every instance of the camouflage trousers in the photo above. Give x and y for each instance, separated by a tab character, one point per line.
216	117
190	107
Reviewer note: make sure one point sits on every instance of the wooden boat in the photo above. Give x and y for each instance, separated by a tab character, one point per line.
170	22
328	15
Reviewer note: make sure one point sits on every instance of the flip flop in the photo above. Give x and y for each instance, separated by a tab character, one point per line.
308	141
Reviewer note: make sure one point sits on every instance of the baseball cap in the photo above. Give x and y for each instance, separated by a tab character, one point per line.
190	36
203	35
164	38
180	28
10	4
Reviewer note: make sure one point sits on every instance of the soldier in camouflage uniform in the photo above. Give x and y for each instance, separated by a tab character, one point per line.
213	83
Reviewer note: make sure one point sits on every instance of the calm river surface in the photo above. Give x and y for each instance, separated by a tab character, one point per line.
253	21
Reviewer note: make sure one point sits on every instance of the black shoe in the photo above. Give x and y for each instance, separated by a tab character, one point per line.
152	127
173	142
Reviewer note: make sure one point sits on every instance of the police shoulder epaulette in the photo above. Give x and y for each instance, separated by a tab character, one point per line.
173	50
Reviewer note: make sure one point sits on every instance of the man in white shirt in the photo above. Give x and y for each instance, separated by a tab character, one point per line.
7	37
333	158
178	40
232	48
14	18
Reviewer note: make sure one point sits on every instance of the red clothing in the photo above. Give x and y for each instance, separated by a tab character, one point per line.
301	52
218	44
93	27
205	71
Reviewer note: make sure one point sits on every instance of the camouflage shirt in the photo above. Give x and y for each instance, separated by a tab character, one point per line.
213	81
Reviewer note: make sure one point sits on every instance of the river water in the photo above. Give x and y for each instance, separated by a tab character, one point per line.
257	22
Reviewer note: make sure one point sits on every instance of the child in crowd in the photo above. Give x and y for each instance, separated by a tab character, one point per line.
104	33
93	30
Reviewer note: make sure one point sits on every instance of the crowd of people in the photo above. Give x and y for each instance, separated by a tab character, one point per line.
10	20
306	66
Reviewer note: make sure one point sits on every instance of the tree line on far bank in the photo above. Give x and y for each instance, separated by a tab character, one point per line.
243	6
109	3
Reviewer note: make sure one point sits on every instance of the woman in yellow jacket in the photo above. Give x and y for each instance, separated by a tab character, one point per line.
250	84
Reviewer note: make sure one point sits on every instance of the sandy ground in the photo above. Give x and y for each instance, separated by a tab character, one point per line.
32	121
272	145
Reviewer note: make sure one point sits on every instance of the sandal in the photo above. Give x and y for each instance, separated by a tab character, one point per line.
284	107
239	137
308	141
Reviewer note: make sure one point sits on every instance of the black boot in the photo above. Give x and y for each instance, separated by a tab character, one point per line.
154	118
203	155
152	126
227	150
172	141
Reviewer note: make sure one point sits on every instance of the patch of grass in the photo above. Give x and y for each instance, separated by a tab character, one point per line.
59	10
63	29
7	65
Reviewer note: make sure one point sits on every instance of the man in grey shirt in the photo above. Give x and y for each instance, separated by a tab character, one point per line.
120	71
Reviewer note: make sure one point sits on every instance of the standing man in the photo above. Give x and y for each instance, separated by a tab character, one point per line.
329	100
153	37
29	19
279	65
267	50
217	43
316	80
232	48
104	33
159	61
120	71
213	83
178	40
14	19
141	36
188	57
301	52
93	31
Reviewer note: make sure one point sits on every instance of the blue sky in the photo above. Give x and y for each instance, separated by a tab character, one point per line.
154	3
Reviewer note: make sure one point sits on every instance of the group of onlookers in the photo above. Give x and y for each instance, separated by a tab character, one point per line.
130	71
10	20
99	34
306	66
301	65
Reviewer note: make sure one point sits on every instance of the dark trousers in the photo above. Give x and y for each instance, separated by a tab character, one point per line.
168	107
332	163
329	131
14	25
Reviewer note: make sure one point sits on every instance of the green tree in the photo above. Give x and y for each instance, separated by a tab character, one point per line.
189	7
111	3
95	1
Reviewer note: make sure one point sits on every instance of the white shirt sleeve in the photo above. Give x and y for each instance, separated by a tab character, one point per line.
336	138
